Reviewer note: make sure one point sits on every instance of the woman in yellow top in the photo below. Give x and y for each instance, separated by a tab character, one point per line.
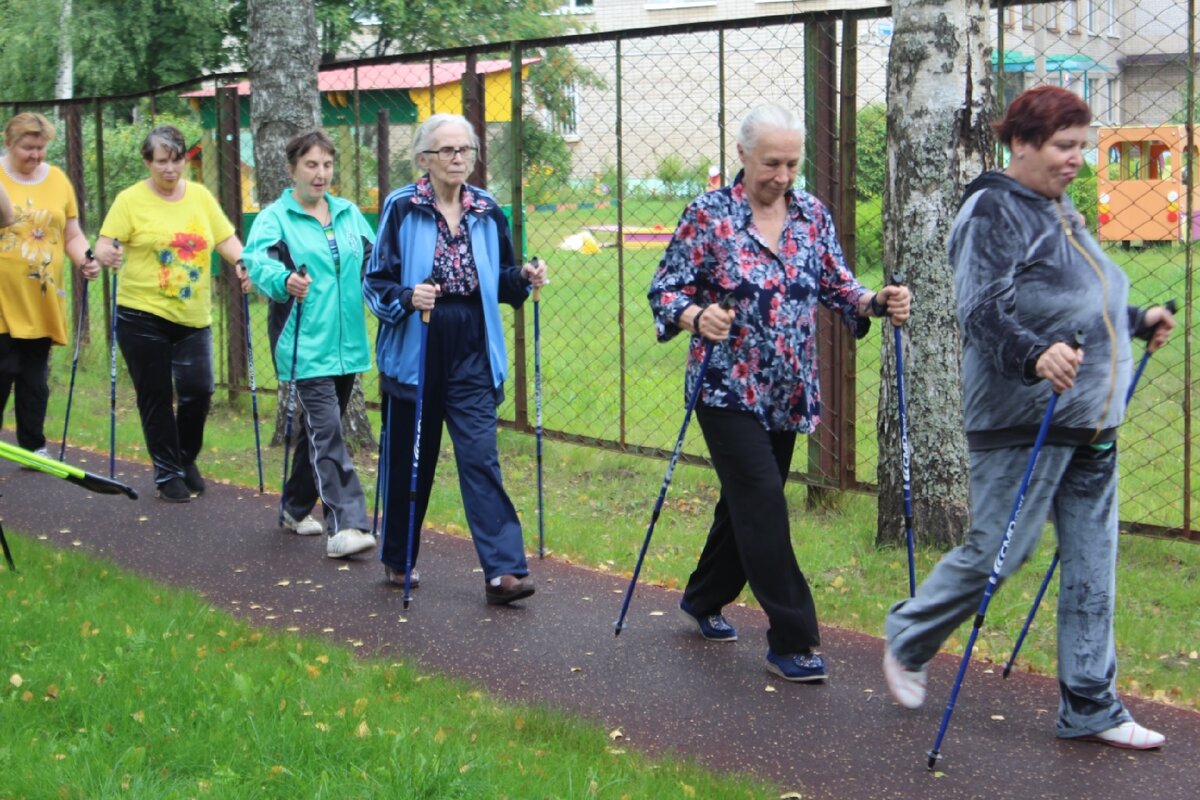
41	227
164	230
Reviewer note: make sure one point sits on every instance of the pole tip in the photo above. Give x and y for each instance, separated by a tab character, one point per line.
407	600
617	628
934	757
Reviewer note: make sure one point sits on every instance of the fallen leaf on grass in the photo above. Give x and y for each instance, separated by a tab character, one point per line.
16	680
791	796
615	734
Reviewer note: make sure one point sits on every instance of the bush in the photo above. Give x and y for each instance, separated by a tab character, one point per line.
872	151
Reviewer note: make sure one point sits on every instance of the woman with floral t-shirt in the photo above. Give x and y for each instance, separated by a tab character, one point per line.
772	251
161	233
41	229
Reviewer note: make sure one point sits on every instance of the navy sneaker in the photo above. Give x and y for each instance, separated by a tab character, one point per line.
712	627
799	667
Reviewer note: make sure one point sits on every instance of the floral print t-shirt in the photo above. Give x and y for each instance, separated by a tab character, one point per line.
768	365
168	251
32	304
453	262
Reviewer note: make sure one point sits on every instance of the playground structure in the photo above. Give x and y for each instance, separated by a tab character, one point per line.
1142	185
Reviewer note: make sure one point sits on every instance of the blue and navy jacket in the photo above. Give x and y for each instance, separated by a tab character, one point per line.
403	257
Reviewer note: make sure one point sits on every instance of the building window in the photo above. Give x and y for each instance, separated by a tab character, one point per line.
1113	113
1052	12
1110	27
1027	17
1071	16
576	7
568	126
1091	12
1010	17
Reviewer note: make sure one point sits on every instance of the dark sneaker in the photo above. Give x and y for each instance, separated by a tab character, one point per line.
798	667
509	589
396	576
174	491
193	479
712	627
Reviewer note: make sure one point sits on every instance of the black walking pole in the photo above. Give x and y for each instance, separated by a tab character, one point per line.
905	458
537	402
1037	601
416	460
112	379
291	398
62	450
619	625
994	578
253	388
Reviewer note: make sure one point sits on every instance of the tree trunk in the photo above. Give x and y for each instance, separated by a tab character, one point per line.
939	105
284	101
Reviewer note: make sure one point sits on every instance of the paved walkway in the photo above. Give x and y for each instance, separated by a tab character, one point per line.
663	686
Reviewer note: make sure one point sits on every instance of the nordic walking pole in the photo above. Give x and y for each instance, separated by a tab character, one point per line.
112	379
380	466
253	388
905	461
1037	601
619	625
62	450
302	270
416	459
994	578
537	402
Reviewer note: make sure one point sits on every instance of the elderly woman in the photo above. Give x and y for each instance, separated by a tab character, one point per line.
309	226
444	247
40	222
169	228
1027	277
772	252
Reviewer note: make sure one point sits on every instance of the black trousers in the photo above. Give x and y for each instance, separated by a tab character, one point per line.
25	365
165	359
750	538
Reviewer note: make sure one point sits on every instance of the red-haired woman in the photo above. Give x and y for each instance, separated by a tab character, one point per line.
1028	276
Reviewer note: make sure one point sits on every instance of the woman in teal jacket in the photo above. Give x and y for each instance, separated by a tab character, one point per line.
309	247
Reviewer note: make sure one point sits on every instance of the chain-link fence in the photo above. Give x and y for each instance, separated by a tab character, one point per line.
594	144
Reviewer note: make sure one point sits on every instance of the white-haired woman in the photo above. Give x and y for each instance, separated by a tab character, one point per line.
444	247
771	250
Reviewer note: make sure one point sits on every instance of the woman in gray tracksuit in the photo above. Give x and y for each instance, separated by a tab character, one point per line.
1028	277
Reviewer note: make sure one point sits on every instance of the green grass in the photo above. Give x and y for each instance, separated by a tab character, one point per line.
114	686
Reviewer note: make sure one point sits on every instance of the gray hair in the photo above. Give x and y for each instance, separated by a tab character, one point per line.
423	138
168	138
763	118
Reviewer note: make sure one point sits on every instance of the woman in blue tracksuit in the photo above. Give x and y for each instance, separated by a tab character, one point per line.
444	247
307	226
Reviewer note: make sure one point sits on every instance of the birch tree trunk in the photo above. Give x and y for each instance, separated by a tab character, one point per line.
285	101
939	106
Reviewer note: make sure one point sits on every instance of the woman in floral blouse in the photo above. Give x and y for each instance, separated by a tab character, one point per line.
169	229
772	250
41	228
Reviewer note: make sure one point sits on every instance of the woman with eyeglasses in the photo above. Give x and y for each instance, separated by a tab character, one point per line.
444	247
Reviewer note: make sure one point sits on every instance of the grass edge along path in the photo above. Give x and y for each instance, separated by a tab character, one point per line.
119	686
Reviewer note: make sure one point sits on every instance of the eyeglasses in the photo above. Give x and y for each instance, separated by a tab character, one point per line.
448	153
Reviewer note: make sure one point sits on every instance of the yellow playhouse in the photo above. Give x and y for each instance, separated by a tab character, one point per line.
1141	184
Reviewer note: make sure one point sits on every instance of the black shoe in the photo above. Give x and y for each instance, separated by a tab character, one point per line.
193	478
174	491
511	588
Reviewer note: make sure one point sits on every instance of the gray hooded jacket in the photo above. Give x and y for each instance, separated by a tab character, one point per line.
1026	275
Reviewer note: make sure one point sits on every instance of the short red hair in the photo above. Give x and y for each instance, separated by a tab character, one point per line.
1039	113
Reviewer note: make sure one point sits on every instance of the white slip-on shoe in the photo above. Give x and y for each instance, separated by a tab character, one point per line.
1128	736
906	685
305	527
349	541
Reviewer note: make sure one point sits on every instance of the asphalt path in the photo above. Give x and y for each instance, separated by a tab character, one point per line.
659	683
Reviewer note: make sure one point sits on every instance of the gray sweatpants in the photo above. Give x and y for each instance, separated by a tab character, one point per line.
1076	488
322	467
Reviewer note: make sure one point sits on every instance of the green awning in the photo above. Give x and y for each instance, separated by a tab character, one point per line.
1014	61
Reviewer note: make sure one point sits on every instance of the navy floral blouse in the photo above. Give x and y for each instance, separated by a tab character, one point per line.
768	365
453	262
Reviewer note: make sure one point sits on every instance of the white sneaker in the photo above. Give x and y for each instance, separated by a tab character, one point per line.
349	541
41	451
305	527
1128	736
906	685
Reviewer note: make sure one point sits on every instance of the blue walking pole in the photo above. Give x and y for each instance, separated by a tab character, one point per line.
994	578
905	458
416	460
291	399
62	450
619	625
1037	601
537	402
253	388
112	379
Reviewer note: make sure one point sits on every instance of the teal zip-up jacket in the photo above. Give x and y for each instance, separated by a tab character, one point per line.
333	326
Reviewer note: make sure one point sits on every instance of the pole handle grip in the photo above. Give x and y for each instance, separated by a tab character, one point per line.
537	290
